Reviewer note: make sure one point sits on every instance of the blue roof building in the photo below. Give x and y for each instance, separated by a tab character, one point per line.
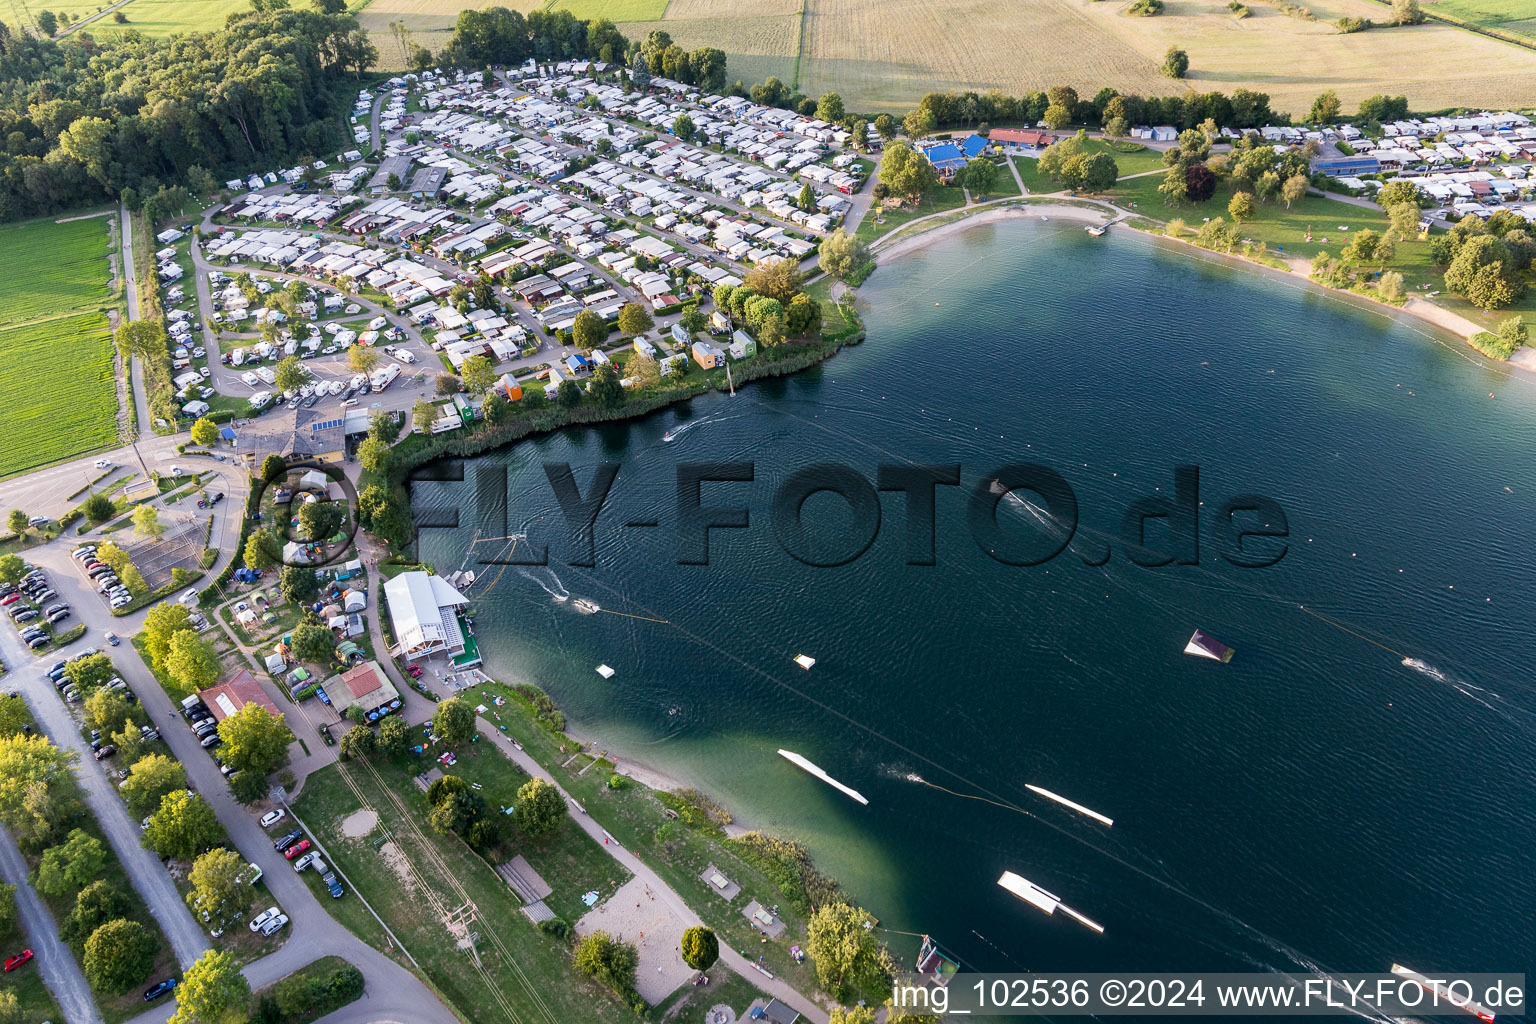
1346	166
973	146
946	157
578	365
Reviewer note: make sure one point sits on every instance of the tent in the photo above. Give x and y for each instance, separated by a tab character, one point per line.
355	601
315	480
275	663
294	553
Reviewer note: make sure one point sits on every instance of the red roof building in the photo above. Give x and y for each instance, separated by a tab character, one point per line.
1017	138
227	698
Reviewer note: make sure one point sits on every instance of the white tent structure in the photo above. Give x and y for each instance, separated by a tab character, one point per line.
423	609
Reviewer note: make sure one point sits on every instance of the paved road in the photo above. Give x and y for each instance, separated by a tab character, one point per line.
60	972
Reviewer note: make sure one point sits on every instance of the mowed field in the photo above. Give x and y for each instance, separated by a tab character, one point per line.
58	390
759	39
1516	17
56	371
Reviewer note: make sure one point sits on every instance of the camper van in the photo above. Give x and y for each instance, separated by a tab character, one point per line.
267	374
383	378
260	399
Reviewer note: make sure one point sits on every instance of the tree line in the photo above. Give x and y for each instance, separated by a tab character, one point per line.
87	120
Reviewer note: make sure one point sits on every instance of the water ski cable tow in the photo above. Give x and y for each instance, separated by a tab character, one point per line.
800	762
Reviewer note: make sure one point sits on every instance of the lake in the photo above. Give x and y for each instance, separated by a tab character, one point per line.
1314	801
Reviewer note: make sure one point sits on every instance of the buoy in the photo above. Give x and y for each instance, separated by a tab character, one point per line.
805	661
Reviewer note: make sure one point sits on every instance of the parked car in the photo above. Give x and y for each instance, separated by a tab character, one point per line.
274	925
156	991
332	885
288	840
260	920
306	860
296	849
106	751
273	817
16	961
211	740
112	638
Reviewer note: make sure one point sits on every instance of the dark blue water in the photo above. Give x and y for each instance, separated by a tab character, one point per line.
1315	801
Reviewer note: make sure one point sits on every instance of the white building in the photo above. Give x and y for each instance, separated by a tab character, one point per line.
424	611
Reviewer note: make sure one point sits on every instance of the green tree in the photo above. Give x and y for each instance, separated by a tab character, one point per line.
48	22
479	374
98	508
423	415
107	710
1175	63
1513	333
193	661
162	622
885	127
372	454
807	198
1326	109
852	1015
319	520
906	172
119	955
394	736
980	176
441	789
213	991
1241	206
830	107
71	866
91	673
358	741
635	319
540	808
205	432
17	521
1398	192
683	128
96	904
298	584
291	374
919	123
221	885
1294	189
604	959
13	567
845	952
14	715
273	468
255	739
568	394
1406	12
150	779
1390	286
700	948
1480	272
448	384
842	255
606	390
645	370
146	521
363	359
588	331
312	642
1056	117
454	721
183	827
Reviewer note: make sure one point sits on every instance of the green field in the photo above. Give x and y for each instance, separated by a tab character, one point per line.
1516	18
57	380
63	268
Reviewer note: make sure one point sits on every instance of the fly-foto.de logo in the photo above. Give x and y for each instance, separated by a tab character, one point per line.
1022	514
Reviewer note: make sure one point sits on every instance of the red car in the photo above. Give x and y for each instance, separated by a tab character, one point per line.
17	960
292	852
415	671
10	599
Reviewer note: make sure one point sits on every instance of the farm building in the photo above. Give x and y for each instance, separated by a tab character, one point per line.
424	611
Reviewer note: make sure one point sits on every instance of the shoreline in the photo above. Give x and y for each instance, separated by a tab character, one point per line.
1014	207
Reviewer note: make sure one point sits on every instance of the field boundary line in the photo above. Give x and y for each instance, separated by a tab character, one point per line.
794	84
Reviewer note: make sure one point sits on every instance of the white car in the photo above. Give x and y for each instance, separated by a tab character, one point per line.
266	917
103	463
273	925
175	471
306	860
273	817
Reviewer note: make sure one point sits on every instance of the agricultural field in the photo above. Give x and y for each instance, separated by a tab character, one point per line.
57	380
1512	17
429	23
64	267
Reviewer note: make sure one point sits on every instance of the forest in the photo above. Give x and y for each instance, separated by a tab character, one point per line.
84	120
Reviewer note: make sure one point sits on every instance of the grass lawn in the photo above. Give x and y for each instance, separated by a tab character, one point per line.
57	379
689	1005
64	266
33	999
1029	171
945	197
1130	157
397	876
1513	17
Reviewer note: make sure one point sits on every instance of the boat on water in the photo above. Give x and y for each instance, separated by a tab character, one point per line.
462	579
1097	230
584	606
932	963
1443	993
1203	645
